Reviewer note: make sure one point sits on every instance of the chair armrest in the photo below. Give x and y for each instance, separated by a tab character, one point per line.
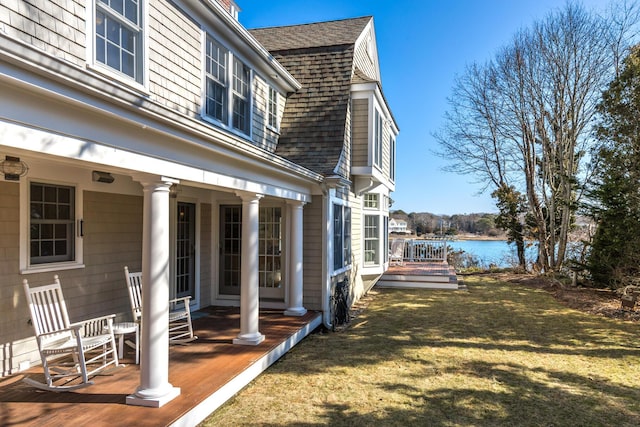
95	326
183	300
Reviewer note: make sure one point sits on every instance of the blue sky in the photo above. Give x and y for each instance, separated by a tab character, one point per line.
422	46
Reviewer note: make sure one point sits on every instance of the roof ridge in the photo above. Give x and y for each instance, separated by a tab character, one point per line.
313	23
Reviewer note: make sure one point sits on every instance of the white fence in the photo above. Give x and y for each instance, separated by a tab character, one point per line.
425	250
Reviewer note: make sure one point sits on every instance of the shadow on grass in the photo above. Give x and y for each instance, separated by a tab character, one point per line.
545	364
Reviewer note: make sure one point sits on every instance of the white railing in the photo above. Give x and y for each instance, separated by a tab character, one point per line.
425	250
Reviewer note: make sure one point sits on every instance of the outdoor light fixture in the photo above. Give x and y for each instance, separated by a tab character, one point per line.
105	177
13	168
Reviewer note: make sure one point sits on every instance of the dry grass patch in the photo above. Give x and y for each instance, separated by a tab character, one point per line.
498	354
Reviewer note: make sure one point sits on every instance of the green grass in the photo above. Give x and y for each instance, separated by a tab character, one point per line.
496	355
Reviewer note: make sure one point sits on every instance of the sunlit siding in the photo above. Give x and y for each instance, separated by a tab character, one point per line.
364	59
175	65
54	26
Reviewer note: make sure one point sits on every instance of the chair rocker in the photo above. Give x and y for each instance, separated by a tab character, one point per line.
69	351
180	327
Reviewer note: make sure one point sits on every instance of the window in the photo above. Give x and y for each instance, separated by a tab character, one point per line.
241	96
118	31
216	81
270	247
392	159
371	239
51	224
227	91
377	139
272	108
371	201
341	236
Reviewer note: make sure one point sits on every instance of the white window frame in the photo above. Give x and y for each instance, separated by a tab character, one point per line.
236	89
344	250
141	78
26	267
272	109
371	201
371	235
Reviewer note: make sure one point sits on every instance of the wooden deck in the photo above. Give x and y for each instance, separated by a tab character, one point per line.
209	371
431	275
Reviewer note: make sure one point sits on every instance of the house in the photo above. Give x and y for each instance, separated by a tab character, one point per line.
241	168
398	226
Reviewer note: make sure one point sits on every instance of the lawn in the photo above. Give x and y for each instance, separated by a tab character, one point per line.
498	354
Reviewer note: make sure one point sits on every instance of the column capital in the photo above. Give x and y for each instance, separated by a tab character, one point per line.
248	196
149	180
296	203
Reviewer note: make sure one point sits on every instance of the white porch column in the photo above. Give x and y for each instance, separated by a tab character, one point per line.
249	289
295	260
154	389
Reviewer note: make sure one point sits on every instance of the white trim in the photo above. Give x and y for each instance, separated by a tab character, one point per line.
53	177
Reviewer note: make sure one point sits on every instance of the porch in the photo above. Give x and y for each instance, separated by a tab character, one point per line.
209	371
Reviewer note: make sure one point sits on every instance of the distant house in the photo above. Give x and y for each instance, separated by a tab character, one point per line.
241	168
398	226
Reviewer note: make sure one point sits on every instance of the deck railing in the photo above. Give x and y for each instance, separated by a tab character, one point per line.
418	250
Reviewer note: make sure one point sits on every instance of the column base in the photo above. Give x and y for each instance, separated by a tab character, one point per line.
249	339
295	311
153	402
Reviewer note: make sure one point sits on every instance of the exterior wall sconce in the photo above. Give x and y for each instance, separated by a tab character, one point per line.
174	191
13	168
105	177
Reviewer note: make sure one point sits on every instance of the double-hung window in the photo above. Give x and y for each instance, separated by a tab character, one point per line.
241	96
371	239
216	104
227	88
119	36
341	236
51	223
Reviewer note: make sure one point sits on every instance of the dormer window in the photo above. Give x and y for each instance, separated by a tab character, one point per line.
118	37
272	109
228	104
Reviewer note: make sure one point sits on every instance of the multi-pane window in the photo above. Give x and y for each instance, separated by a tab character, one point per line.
371	201
272	108
341	236
377	139
216	81
227	88
51	224
118	31
241	96
270	247
371	240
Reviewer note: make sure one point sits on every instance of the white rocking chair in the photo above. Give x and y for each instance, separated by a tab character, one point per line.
180	327
396	252
69	351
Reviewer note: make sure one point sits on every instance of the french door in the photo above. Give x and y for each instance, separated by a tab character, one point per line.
185	255
270	250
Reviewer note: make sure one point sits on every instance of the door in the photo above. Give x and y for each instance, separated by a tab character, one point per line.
269	251
185	250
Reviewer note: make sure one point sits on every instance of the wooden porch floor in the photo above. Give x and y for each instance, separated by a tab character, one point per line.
211	364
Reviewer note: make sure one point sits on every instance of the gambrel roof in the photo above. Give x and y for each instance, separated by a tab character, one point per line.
320	56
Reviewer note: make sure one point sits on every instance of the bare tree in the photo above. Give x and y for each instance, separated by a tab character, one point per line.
524	119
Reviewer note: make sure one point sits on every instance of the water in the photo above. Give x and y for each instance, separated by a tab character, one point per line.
496	252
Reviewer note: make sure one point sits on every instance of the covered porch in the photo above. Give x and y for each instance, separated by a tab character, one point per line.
209	371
